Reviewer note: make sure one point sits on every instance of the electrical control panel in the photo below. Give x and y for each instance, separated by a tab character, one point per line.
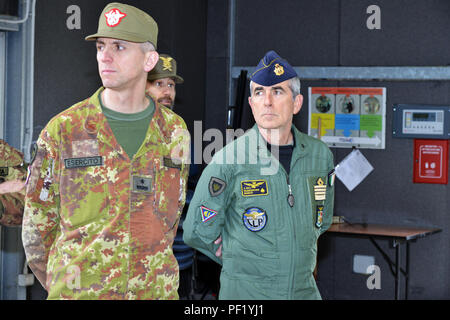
421	121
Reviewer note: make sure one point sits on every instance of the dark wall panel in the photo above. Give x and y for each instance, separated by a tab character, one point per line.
413	33
306	32
333	32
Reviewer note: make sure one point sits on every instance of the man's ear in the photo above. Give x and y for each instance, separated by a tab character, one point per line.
151	59
250	102
298	102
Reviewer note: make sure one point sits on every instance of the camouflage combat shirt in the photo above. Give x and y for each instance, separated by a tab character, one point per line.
98	225
11	168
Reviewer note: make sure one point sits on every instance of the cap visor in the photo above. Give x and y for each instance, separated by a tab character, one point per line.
118	35
178	79
175	78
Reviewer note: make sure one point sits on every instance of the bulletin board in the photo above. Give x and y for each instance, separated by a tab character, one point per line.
348	117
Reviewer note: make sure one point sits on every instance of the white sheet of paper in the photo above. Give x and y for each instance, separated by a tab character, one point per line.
353	169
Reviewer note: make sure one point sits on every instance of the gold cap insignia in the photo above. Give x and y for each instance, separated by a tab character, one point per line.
279	70
167	63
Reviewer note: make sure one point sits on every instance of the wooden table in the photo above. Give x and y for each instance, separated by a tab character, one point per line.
397	234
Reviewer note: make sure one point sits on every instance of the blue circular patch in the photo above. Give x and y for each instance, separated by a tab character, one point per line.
255	219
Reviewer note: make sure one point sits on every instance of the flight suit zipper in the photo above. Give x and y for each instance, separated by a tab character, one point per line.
291	202
292	219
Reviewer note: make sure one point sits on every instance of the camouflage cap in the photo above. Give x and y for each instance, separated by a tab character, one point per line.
165	68
125	22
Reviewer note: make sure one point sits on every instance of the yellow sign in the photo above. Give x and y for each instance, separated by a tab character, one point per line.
327	122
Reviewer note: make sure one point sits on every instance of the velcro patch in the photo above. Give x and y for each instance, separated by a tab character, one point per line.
172	163
216	186
142	184
73	163
207	213
255	219
251	188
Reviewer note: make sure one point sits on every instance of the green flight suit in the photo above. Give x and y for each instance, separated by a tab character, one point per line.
269	247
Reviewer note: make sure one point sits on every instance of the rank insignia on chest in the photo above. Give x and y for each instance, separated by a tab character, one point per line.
320	190
251	188
319	216
142	184
207	213
255	219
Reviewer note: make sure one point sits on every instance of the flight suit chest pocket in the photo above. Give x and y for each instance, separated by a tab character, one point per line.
83	185
167	190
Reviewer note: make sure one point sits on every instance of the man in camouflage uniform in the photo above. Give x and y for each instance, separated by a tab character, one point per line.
12	182
162	79
100	220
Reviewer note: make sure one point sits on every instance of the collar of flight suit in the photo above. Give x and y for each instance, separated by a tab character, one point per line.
300	150
98	127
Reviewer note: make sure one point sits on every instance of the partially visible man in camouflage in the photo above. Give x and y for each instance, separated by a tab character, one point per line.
12	182
107	185
162	79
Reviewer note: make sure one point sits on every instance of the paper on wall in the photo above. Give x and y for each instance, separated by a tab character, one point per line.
353	169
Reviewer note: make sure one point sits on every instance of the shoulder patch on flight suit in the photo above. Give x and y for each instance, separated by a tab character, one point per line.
251	188
207	213
216	186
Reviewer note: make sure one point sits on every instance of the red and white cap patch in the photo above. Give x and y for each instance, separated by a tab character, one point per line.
114	17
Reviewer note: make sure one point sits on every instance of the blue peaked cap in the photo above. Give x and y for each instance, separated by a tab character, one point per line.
272	69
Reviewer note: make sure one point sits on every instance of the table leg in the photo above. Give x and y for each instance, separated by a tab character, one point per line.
407	271
397	269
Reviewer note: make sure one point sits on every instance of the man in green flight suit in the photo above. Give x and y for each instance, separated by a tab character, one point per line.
107	186
265	198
